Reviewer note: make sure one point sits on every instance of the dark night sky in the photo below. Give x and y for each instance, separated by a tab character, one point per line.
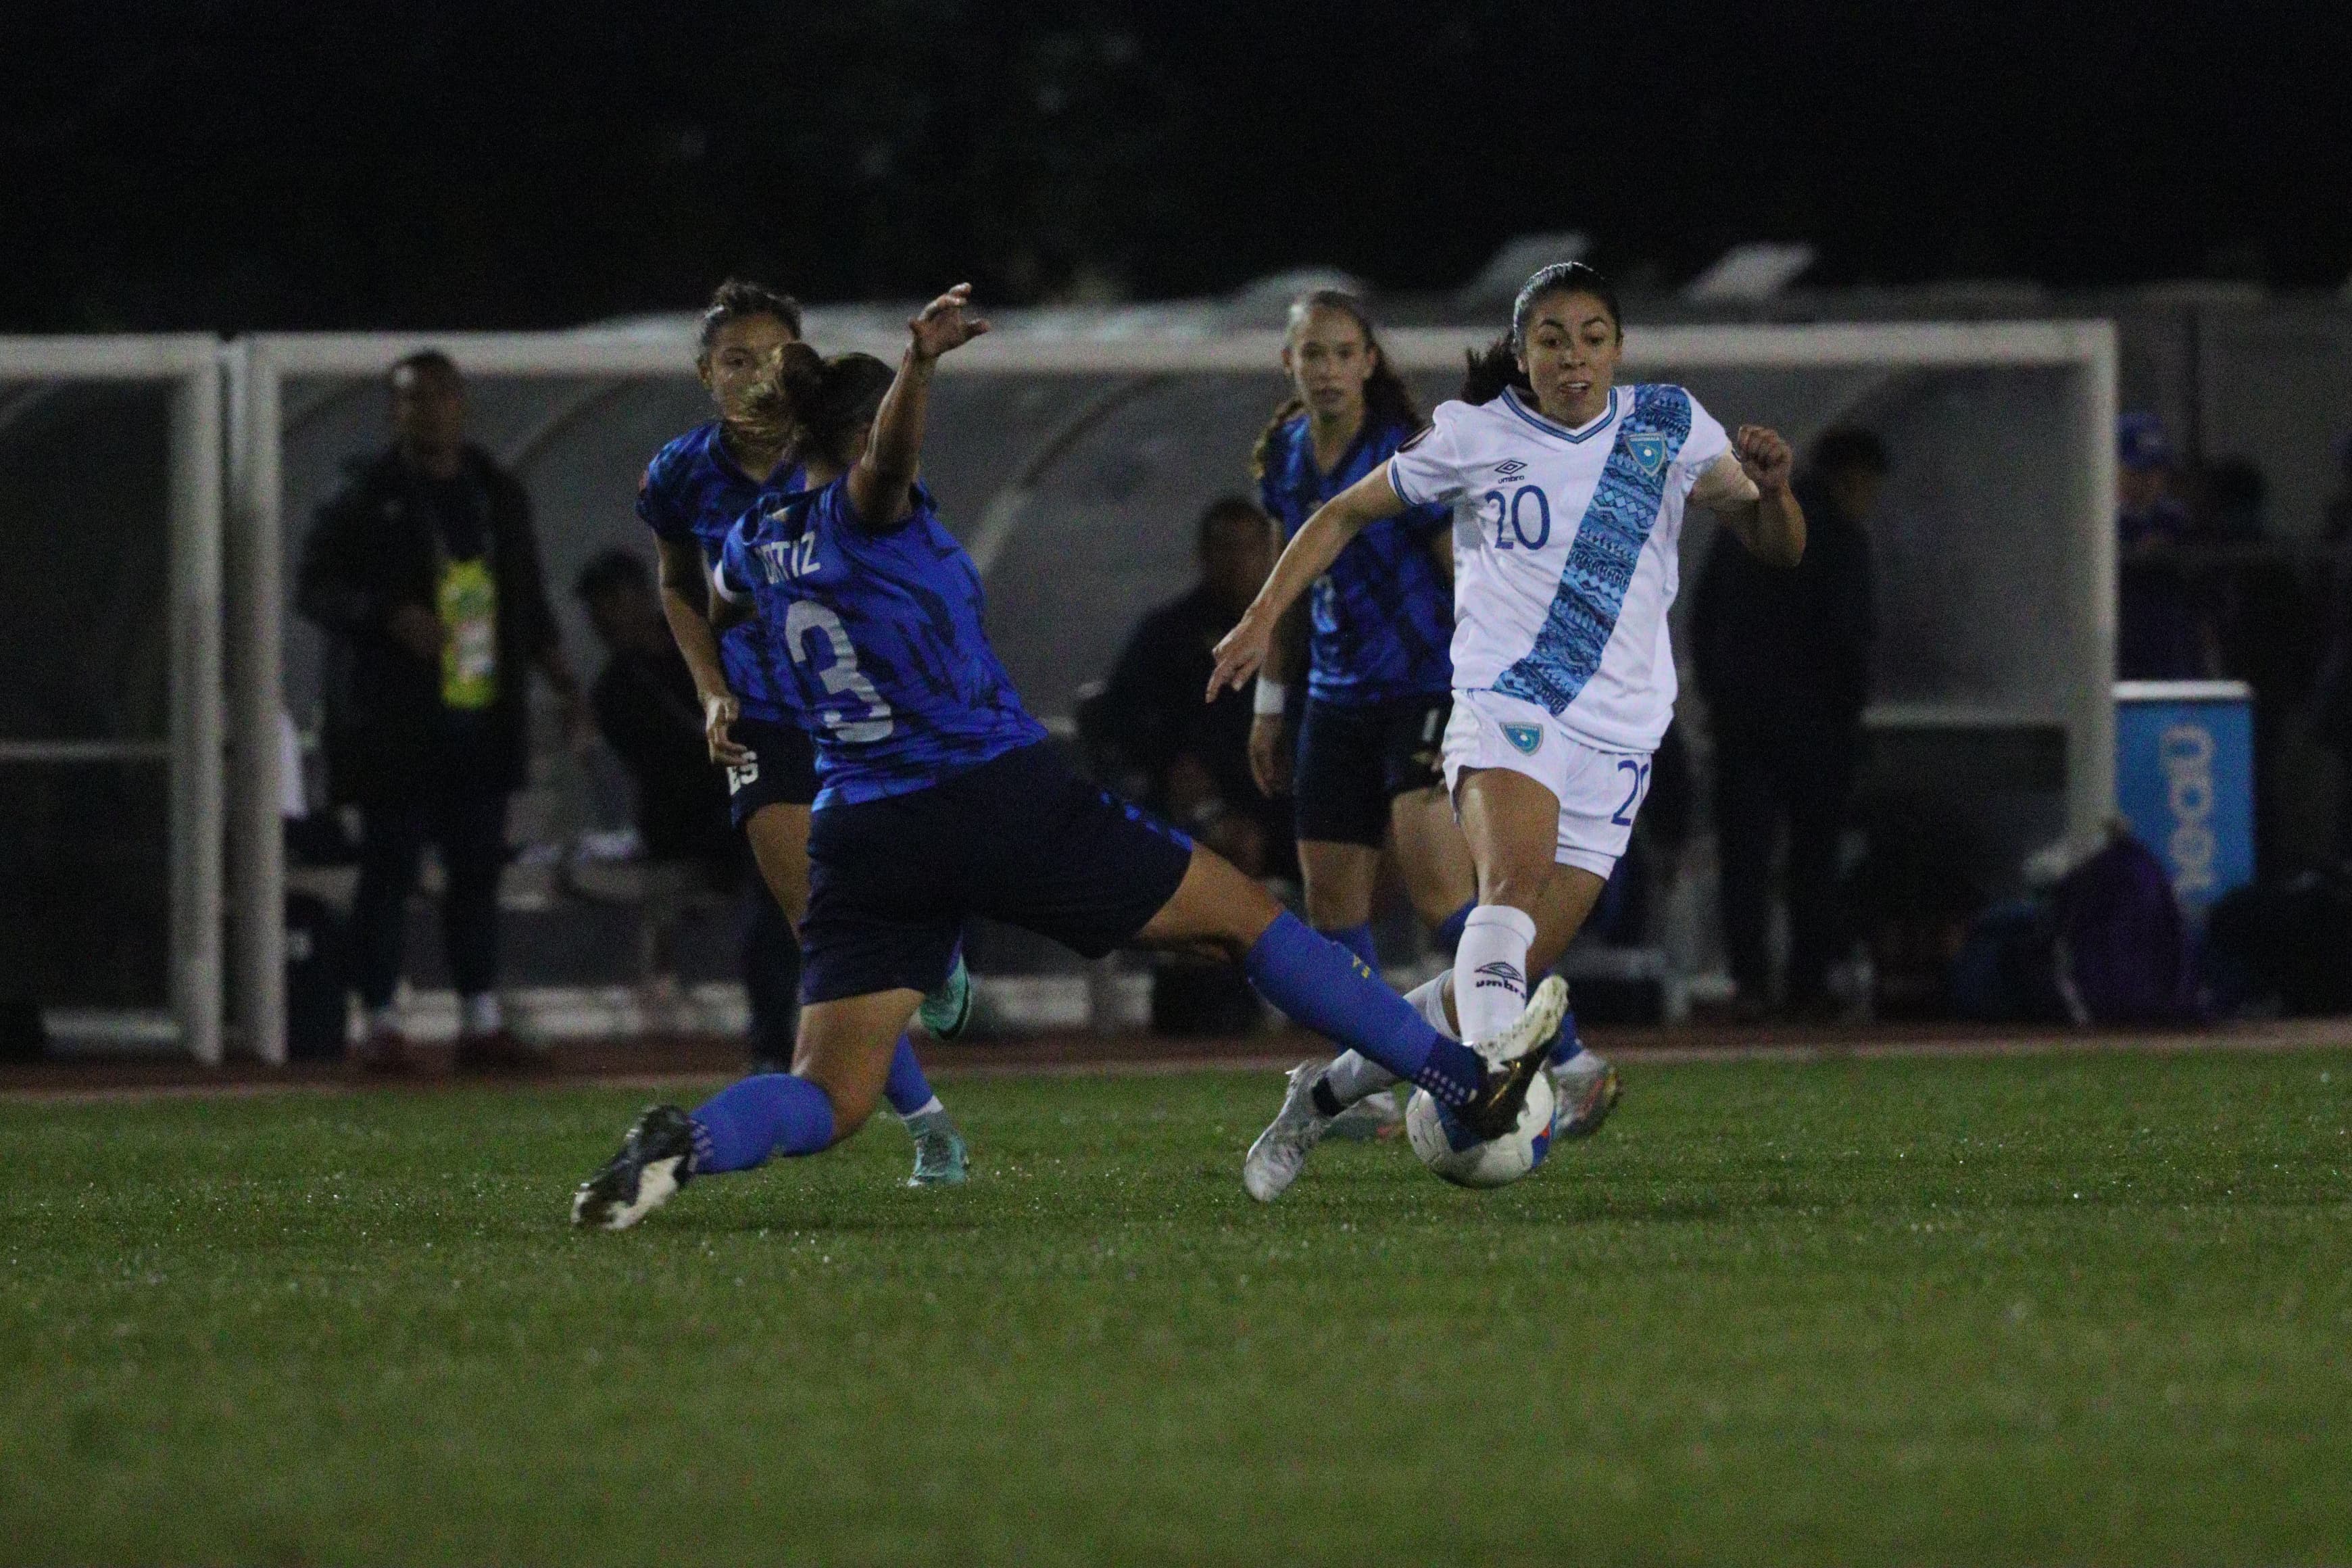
234	166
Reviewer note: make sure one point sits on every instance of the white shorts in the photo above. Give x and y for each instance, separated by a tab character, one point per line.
1598	792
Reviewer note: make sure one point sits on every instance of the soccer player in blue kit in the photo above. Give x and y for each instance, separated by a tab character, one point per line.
693	490
939	798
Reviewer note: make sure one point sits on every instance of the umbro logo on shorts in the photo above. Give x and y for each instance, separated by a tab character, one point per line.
1526	737
1499	973
1511	469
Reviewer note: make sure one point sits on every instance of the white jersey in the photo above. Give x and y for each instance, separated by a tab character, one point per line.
1565	551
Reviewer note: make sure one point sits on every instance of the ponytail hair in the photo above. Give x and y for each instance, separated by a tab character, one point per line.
1388	402
815	406
1491	370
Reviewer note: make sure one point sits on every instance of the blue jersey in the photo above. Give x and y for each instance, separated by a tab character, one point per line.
694	490
880	633
1382	616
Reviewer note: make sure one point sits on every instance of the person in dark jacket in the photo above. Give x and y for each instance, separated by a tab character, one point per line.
1190	761
648	712
425	575
1783	660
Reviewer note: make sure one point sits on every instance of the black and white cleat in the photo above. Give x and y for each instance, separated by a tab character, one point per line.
1513	1059
655	1162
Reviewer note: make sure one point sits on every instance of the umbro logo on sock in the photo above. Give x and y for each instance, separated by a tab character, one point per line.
1501	973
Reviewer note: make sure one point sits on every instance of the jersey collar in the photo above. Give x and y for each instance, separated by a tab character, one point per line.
1511	398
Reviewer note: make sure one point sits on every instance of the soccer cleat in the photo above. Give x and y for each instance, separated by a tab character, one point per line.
1513	1059
1373	1116
1280	1152
656	1160
946	1011
940	1158
1587	1092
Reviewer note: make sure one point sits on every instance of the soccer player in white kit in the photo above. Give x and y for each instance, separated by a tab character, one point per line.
1568	493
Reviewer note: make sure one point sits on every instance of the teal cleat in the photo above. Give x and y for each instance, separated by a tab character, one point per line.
940	1158
947	1012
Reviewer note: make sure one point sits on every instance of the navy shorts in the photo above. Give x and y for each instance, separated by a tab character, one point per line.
1020	839
783	769
1353	760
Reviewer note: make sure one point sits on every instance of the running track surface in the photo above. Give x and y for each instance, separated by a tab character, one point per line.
664	1060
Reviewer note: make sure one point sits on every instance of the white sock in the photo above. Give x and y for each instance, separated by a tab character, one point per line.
1428	999
478	1014
1490	971
931	1106
1353	1076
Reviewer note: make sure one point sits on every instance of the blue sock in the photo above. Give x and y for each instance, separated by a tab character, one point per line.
1358	939
1447	932
774	1112
1571	1046
907	1090
1319	983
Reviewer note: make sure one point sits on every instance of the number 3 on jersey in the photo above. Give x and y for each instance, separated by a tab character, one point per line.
839	676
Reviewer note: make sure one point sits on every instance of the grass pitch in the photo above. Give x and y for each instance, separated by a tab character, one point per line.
2077	1310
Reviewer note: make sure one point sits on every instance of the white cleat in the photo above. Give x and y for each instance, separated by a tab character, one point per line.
1280	1152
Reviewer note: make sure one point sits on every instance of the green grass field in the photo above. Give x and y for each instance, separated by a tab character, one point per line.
2052	1309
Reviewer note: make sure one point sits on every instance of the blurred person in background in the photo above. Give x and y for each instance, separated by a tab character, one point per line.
1370	645
1782	656
647	710
2160	632
1186	761
423	572
649	713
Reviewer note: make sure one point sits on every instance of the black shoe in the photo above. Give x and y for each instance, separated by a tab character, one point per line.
658	1160
1513	1059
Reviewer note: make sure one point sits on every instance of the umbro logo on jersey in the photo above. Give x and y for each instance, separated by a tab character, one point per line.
1649	449
1510	470
1499	973
1526	737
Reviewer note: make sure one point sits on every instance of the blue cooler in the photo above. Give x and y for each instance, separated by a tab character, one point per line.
2185	781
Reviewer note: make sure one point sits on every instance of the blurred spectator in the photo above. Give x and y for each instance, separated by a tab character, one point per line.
2332	705
648	713
2336	523
2161	634
423	572
1188	760
2233	504
647	710
1784	659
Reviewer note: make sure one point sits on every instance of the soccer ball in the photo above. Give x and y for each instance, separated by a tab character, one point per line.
1446	1147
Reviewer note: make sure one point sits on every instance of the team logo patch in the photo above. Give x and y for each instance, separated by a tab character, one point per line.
1526	737
1649	449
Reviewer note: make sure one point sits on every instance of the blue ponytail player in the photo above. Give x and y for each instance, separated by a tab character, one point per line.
694	490
938	799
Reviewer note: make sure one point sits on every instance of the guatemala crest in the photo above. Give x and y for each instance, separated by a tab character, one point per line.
1526	737
1648	448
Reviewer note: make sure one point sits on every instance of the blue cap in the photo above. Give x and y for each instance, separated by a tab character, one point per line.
2141	443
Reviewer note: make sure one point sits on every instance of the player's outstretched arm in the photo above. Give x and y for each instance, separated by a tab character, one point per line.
1747	490
878	484
1310	554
